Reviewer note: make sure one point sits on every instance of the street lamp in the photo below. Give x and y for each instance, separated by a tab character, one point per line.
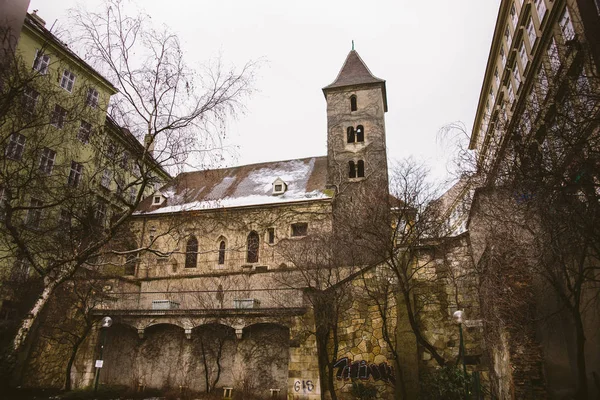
105	323
459	317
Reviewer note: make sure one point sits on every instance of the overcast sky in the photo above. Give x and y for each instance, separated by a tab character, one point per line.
431	53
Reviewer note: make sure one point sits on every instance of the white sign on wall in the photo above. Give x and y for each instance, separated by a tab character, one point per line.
99	363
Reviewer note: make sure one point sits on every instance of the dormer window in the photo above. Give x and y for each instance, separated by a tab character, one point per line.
157	199
279	187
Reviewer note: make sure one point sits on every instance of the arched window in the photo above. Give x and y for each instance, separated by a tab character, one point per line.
353	106
252	256
360	169
360	133
222	252
351	169
191	253
350	134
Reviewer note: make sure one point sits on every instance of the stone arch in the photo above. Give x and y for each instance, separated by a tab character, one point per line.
264	353
214	349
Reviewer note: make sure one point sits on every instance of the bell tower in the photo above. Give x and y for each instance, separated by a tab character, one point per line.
356	152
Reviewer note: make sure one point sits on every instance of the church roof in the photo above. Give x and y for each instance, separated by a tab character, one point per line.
242	186
353	72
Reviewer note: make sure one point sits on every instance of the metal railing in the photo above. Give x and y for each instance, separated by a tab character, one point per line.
204	300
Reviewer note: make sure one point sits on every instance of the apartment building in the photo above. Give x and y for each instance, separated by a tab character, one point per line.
537	47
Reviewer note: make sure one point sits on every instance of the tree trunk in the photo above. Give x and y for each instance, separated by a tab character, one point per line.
582	387
11	369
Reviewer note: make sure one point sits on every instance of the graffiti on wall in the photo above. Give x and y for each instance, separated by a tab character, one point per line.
347	370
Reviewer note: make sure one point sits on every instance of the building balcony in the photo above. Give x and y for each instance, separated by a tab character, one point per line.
216	303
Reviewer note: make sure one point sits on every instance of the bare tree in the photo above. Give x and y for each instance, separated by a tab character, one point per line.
56	232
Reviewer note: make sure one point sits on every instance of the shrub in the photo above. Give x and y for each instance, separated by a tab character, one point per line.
447	383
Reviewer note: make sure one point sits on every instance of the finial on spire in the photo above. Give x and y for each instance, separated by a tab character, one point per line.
352	44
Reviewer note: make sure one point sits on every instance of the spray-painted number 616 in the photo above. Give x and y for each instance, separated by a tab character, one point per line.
306	386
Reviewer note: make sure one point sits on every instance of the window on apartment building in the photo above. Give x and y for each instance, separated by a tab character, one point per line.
64	219
503	57
497	77
540	6
111	150
360	169
566	26
492	96
34	213
30	98
517	75
353	105
221	252
41	62
67	81
513	15
59	115
133	192
299	229
507	36
100	212
523	55
75	174
191	253
271	235
106	178
16	146
350	135
252	247
553	56
531	34
85	130
511	93
47	160
92	97
360	133
526	123
124	161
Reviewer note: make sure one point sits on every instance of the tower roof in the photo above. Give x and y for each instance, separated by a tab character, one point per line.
355	72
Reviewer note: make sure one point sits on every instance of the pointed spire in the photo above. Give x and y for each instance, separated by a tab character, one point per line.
353	72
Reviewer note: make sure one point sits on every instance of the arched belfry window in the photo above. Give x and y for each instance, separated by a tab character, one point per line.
351	169
252	254
191	253
360	169
222	252
350	134
360	133
353	106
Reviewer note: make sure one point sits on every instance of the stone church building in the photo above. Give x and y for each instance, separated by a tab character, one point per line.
223	297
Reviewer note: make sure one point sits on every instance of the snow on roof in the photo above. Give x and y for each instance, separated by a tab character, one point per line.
246	185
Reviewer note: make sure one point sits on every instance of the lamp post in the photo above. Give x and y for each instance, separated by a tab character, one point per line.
459	317
105	323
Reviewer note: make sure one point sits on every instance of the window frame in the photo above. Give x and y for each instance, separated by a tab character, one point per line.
34	213
59	115
47	160
566	25
16	146
84	132
92	97
191	253
299	229
75	174
222	249
252	247
67	80
41	62
353	103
